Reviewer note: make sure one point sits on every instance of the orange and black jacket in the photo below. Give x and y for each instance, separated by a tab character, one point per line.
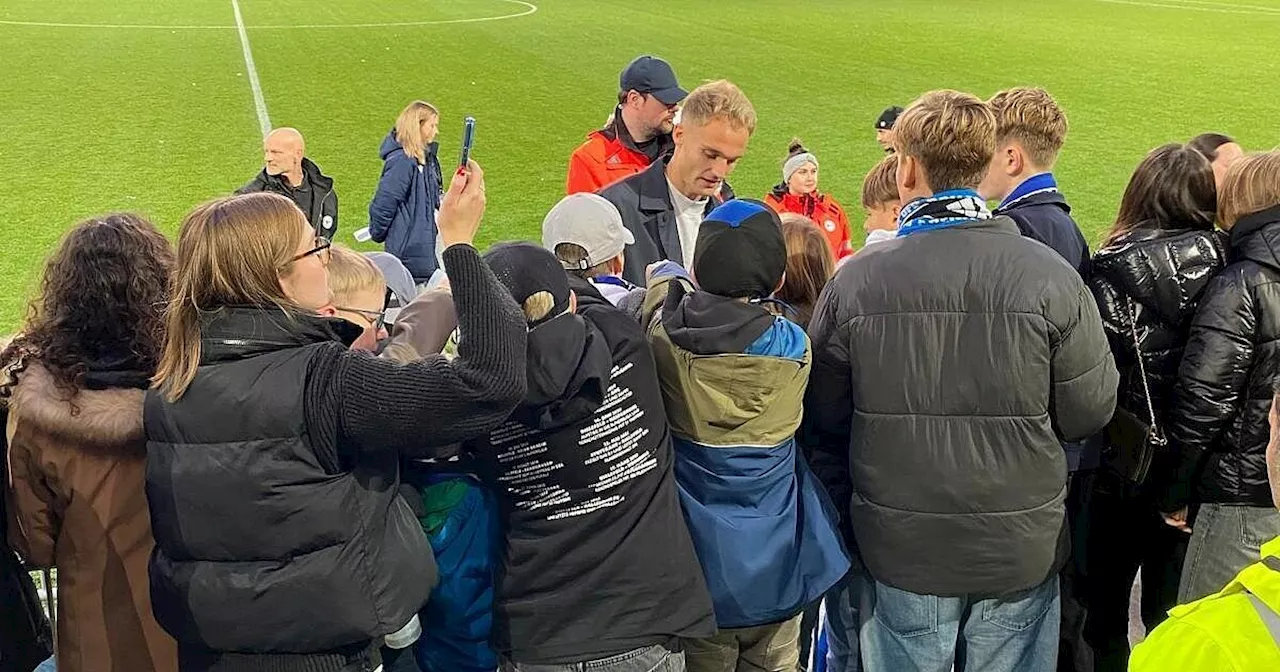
609	155
822	209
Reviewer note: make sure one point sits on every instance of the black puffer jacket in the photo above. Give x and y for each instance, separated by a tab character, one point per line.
1156	278
948	366
1218	424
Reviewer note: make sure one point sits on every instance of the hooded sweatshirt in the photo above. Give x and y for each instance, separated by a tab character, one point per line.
598	561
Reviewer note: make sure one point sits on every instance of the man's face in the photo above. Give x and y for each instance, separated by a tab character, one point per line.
882	217
705	155
654	116
884	136
281	154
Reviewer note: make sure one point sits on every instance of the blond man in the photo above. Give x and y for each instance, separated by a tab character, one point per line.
1030	131
664	205
948	365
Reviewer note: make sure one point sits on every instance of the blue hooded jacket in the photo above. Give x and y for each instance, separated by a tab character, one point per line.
403	211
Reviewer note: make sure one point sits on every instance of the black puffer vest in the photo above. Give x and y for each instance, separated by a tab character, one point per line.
261	547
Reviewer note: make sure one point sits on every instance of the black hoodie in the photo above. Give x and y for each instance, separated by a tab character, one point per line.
598	560
1218	424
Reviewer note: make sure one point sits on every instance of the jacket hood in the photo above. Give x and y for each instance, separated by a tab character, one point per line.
1155	265
390	144
240	332
706	324
109	420
1257	238
569	370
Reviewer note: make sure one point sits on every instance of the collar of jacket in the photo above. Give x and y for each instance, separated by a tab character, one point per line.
319	181
617	131
706	324
806	202
239	332
1144	234
1041	184
1256	237
655	196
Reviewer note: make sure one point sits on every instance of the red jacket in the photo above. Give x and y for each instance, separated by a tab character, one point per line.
822	209
607	156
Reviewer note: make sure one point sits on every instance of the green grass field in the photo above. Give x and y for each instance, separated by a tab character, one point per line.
135	105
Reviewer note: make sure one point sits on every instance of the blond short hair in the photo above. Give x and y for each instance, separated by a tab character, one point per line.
351	273
880	186
721	100
1032	118
1251	185
952	135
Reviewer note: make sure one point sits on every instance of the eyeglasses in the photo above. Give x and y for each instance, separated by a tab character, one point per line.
376	319
321	249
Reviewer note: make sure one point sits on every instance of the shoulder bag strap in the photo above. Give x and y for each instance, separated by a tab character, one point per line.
1157	435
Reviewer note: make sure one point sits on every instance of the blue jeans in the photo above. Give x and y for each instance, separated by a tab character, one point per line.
47	666
1224	540
649	659
906	632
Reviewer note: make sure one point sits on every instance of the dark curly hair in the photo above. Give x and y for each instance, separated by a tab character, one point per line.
102	298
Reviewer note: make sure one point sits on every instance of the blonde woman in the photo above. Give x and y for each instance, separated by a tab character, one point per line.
273	449
403	212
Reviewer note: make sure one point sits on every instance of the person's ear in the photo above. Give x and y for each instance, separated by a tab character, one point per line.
896	208
328	311
1014	161
908	178
573	301
618	264
781	283
677	134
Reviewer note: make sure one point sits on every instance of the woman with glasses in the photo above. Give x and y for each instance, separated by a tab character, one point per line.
273	449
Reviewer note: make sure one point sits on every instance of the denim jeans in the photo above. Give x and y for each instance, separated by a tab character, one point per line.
907	632
47	666
1224	540
648	659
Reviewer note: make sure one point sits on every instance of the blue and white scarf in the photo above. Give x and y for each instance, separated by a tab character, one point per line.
942	210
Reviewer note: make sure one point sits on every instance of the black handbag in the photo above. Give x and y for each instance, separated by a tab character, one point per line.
1132	442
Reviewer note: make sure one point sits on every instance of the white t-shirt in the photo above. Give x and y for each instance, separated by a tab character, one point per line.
688	219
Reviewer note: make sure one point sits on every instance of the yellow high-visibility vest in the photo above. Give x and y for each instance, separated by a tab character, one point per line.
1236	630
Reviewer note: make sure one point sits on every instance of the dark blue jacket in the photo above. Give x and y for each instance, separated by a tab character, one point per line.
1043	214
403	211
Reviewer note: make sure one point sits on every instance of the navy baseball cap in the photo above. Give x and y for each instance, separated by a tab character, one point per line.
654	76
888	118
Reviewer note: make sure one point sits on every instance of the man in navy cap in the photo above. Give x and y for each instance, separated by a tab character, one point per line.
884	127
638	133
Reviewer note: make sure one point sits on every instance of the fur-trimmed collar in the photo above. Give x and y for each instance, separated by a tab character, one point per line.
110	420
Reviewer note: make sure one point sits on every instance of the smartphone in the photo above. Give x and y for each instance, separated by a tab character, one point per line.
468	139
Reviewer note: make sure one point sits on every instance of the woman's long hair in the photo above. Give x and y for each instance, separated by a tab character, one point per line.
1173	188
1251	185
102	299
409	128
810	265
231	252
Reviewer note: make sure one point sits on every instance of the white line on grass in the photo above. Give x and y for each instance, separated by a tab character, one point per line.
1216	9
258	101
529	8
